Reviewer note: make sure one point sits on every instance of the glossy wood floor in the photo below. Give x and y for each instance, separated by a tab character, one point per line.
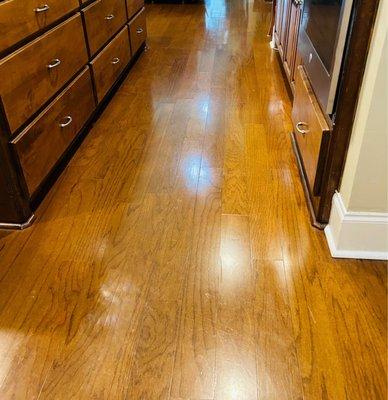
174	258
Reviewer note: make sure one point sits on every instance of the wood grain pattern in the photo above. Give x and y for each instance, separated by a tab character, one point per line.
112	60
133	6
103	19
135	283
30	83
18	18
290	53
138	30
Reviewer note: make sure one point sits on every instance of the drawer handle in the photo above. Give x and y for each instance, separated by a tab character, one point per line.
68	120
302	131
109	17
43	8
53	63
116	60
139	31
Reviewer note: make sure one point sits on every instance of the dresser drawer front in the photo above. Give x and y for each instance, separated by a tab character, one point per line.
21	18
103	19
138	31
43	142
311	131
133	6
38	70
109	64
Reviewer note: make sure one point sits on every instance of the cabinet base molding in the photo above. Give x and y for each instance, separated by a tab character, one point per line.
356	234
306	190
17	227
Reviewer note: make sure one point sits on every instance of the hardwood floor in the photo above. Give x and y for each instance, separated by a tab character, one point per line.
174	258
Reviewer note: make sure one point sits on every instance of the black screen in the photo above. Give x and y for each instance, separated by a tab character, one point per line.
320	21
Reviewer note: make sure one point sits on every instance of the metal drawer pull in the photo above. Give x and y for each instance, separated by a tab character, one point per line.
116	60
302	131
68	120
139	31
109	17
53	63
43	8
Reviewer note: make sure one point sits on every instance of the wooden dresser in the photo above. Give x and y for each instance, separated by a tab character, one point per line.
60	60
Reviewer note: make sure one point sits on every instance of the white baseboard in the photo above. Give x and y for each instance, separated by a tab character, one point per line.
356	234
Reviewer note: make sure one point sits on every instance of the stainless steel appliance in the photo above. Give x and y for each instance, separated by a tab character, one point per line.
322	39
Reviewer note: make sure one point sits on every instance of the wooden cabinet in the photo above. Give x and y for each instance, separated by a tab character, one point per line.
138	30
103	19
39	69
48	92
133	6
290	50
311	132
108	65
278	26
286	30
43	142
21	18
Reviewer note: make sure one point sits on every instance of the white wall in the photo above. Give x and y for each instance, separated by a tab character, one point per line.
358	225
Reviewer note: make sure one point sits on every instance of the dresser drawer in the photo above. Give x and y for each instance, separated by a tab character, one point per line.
43	142
138	31
103	19
38	70
311	131
109	64
133	6
21	18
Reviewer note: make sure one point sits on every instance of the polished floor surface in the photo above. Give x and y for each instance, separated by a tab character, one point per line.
174	258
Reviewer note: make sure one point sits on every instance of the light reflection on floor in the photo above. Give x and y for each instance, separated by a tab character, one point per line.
197	173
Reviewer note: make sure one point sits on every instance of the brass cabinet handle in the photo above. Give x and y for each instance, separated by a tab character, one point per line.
68	120
302	131
116	60
53	63
43	8
109	17
139	31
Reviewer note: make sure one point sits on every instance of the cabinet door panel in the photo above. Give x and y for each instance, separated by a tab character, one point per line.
292	40
311	131
110	63
21	18
44	141
38	70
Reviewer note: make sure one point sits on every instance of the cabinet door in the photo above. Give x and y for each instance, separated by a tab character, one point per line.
311	132
282	25
290	51
278	21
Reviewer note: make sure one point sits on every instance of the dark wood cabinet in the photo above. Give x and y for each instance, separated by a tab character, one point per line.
279	27
311	131
59	73
286	30
290	50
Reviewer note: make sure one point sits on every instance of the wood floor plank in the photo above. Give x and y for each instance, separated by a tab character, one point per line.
235	353
156	343
194	374
277	363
